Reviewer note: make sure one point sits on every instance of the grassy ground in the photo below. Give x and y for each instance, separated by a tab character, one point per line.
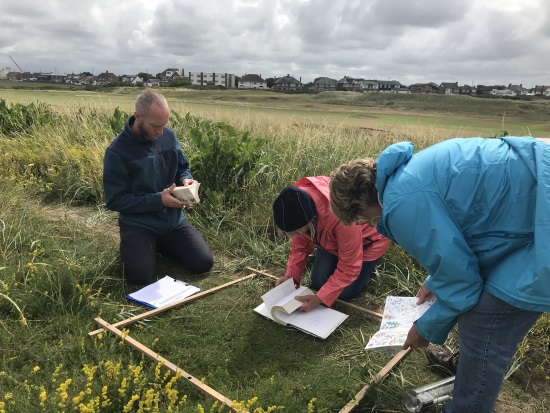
448	116
60	269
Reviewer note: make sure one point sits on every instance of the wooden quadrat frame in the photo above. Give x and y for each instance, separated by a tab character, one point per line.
209	391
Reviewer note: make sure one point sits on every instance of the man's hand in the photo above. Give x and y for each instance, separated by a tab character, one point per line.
423	294
309	301
414	340
188	181
169	201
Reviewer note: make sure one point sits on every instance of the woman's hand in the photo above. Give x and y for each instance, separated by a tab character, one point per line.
414	340
282	279
309	301
423	294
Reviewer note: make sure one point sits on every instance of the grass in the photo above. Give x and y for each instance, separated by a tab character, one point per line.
448	116
60	270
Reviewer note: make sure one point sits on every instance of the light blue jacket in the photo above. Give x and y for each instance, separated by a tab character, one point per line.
476	214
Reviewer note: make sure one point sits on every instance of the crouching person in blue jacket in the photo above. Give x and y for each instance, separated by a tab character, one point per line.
475	213
141	168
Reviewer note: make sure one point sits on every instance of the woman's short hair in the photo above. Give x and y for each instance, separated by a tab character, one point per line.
352	190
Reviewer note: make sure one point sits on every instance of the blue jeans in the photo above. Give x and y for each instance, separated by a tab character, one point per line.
488	336
323	267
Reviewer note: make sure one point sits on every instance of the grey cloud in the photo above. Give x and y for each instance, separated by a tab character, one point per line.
423	13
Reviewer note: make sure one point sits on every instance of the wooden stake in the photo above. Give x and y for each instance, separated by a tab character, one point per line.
352	404
209	391
345	303
173	305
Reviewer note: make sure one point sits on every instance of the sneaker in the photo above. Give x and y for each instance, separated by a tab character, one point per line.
442	360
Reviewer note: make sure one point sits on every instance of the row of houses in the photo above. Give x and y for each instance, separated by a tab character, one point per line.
166	77
348	83
286	83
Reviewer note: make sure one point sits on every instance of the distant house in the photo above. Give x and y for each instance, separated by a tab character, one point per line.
349	83
4	72
168	75
324	84
448	88
153	82
136	79
369	85
486	91
58	78
401	89
424	88
127	78
391	86
519	89
14	76
87	80
106	77
539	90
501	93
388	85
173	77
467	90
218	79
287	83
252	81
71	78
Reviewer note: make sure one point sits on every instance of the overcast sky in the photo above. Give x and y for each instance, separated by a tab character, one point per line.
465	41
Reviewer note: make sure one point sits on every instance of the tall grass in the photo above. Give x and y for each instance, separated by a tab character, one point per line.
58	274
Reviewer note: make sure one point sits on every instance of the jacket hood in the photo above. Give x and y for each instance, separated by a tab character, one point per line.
388	162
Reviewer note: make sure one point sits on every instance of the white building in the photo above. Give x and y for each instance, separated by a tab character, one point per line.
218	79
503	93
252	81
4	72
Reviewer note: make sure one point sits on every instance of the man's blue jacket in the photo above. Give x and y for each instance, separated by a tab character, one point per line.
476	214
136	170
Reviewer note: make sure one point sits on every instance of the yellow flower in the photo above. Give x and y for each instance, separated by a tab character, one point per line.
122	389
130	404
35	369
8	396
311	405
42	397
106	402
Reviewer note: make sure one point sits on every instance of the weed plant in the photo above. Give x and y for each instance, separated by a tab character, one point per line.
59	273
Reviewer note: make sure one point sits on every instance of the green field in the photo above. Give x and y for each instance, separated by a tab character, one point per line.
59	264
446	116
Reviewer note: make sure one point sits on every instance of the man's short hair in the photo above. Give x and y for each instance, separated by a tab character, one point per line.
147	98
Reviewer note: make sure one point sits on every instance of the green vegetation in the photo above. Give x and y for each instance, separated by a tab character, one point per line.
60	270
429	115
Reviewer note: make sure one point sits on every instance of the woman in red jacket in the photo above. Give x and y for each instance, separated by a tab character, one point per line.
345	256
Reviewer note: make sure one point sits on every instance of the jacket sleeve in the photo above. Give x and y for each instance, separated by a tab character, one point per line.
300	249
422	225
117	185
350	261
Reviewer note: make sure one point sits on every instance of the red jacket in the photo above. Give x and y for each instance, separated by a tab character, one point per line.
346	242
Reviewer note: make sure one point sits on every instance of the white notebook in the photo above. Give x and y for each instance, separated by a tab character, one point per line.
165	291
280	306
